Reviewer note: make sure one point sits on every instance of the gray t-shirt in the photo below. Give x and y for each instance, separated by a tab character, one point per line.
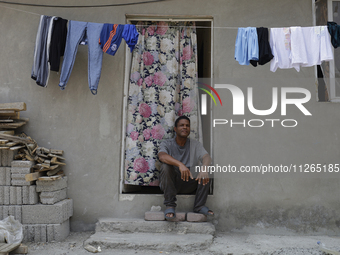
190	154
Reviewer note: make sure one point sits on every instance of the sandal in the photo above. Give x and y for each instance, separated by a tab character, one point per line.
170	210
205	210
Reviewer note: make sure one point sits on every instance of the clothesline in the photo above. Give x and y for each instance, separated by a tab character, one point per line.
203	27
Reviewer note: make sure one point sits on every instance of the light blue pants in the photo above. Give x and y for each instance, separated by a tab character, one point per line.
246	45
88	33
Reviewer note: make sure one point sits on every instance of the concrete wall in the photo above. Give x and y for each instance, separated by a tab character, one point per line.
88	128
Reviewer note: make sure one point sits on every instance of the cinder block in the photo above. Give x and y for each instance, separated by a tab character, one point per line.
52	185
14	210
8	176
47	214
180	216
20	170
154	216
22	163
52	197
196	217
5	176
2	195
46	232
5	195
15	195
6	157
58	232
19	180
29	195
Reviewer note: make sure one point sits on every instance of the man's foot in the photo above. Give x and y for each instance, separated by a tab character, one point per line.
206	211
169	213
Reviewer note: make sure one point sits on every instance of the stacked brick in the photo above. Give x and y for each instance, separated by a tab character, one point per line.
44	219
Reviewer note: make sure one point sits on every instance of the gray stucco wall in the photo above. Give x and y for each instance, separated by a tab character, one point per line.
88	128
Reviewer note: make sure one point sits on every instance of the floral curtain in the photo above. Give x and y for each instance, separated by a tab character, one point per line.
163	86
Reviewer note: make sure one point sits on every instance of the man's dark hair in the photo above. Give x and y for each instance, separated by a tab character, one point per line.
181	118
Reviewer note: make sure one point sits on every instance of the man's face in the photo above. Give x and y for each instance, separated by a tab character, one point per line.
183	128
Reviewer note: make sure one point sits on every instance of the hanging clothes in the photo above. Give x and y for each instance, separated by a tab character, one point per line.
58	42
280	44
311	45
130	35
334	31
265	52
110	38
246	45
40	69
112	34
83	33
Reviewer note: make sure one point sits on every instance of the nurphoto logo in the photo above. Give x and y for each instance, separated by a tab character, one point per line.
239	105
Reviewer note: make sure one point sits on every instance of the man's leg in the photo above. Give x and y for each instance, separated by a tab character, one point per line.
168	183
201	196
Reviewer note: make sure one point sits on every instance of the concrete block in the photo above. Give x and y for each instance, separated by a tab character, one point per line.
20	170
180	216
52	185
46	232
154	216
196	217
19	180
58	232
5	195
47	214
15	195
14	210
52	197
22	163
6	157
29	195
5	176
8	176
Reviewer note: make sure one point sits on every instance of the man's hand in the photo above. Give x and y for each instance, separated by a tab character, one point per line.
185	173
203	178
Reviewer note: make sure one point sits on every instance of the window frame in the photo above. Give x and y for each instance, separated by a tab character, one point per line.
332	88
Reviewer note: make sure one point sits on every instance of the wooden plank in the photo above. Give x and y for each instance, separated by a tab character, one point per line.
55	161
7	132
56	156
22	249
7	247
19	106
4	148
17	147
2	141
9	115
6	121
12	125
53	172
51	178
15	138
57	152
33	176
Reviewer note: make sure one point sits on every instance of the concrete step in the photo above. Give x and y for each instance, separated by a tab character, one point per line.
151	241
126	226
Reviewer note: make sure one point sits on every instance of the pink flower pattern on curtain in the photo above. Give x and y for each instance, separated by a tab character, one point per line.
163	86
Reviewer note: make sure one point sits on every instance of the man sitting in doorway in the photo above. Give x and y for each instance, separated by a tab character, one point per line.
178	155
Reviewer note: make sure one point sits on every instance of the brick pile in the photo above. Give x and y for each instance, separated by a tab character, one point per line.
41	206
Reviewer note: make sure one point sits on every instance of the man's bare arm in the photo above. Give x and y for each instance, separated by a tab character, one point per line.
167	159
203	177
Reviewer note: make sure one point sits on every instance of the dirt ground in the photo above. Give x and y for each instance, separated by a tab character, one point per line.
224	243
